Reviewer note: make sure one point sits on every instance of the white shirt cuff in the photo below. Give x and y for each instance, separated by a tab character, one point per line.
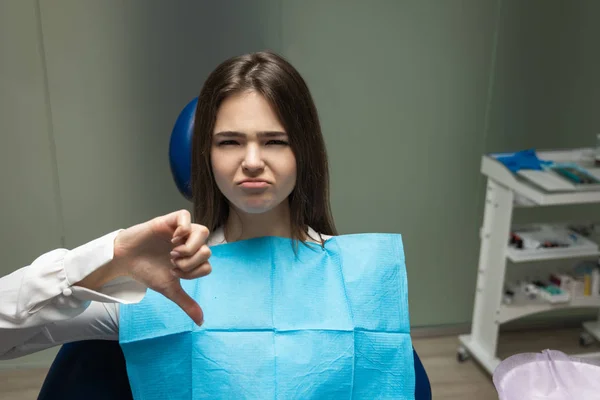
85	259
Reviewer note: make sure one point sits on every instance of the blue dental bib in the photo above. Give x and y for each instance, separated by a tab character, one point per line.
321	322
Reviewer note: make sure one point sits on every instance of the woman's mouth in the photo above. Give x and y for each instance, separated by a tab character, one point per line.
254	184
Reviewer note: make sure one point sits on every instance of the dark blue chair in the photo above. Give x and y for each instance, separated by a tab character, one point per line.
87	370
95	369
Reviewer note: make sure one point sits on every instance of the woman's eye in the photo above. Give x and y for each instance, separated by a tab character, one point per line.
277	142
228	143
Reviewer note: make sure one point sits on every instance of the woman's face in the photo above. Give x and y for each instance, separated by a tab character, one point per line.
252	162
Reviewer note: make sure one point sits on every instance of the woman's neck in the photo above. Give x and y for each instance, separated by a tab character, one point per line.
242	226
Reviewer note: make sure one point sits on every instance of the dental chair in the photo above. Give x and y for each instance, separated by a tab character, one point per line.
95	369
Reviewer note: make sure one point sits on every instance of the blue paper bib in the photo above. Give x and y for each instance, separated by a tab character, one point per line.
326	322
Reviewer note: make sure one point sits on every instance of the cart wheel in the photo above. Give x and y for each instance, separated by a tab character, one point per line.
585	339
462	354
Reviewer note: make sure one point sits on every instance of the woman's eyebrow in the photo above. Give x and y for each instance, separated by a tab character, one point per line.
230	134
272	134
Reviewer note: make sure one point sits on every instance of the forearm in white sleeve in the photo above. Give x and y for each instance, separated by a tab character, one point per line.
40	307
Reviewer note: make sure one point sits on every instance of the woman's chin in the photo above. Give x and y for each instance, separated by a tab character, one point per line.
256	206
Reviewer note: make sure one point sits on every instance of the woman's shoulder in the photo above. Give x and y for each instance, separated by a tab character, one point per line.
314	236
216	237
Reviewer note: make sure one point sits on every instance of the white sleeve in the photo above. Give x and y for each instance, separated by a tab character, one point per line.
40	307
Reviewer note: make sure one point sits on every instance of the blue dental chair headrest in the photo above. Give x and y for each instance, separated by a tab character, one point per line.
95	369
180	149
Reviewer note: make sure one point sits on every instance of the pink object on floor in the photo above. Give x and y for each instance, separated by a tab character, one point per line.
549	375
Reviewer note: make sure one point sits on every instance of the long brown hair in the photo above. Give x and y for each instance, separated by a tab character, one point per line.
282	86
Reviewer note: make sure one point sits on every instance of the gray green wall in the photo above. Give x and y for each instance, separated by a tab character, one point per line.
410	93
402	87
89	92
31	221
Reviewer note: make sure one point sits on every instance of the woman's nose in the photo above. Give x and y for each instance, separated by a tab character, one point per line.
253	160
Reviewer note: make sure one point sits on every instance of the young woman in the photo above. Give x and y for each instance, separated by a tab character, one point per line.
260	182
